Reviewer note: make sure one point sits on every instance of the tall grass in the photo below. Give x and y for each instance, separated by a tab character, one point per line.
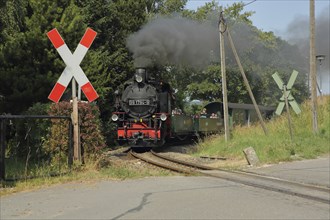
19	169
277	146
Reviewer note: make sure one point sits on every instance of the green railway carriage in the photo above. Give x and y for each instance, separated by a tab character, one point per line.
213	122
182	125
208	125
239	114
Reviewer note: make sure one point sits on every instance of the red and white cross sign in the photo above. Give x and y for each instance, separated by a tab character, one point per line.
72	62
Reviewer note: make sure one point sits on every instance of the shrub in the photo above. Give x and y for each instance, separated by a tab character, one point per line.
92	141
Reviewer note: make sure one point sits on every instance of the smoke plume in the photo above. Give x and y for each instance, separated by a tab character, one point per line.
298	33
175	40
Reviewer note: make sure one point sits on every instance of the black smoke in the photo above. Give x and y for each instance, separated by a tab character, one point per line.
298	34
174	41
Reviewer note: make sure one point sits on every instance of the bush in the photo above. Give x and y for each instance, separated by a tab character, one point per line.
92	140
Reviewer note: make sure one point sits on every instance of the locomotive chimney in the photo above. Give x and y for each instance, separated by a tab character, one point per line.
140	74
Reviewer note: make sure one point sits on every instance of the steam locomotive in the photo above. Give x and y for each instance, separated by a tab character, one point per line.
143	111
145	115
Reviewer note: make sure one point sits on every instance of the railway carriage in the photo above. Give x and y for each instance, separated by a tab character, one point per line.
239	113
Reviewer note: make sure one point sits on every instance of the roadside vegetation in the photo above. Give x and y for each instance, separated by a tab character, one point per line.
277	146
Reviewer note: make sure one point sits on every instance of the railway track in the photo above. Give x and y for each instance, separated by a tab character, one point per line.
155	159
307	191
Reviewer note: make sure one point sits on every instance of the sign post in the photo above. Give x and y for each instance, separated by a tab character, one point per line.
287	98
73	71
75	122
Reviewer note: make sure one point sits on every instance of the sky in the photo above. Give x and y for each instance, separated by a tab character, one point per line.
288	19
271	15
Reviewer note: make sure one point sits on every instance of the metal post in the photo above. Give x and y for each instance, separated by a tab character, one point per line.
222	29
3	150
320	58
320	83
79	93
288	111
312	70
70	148
247	85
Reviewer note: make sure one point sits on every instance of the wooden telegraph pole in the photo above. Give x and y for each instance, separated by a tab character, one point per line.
246	82
312	65
75	121
222	30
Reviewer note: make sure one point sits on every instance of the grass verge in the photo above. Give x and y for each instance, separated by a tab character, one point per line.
277	145
91	171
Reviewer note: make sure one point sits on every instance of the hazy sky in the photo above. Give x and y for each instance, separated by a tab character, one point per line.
271	15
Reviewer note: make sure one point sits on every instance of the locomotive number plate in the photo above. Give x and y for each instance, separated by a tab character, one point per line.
139	102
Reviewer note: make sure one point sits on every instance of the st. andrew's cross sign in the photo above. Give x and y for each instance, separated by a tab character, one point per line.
286	89
72	62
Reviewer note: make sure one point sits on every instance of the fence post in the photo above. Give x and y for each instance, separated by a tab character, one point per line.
3	149
70	150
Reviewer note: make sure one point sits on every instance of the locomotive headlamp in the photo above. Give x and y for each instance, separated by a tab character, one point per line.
163	117
114	117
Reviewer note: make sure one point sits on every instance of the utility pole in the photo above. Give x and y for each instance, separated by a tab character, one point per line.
246	82
312	61
222	30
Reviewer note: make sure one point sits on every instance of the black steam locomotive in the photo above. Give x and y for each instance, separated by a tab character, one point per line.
143	110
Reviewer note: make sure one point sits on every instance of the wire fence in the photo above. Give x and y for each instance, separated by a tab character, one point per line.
29	150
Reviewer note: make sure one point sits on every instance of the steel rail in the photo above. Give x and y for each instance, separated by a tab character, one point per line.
186	163
286	186
163	165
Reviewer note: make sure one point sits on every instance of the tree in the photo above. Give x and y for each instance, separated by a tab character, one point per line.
154	7
29	64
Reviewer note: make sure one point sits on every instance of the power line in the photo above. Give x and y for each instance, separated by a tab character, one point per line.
249	3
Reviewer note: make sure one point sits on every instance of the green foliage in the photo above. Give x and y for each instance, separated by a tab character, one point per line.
27	137
165	7
92	140
211	11
29	66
